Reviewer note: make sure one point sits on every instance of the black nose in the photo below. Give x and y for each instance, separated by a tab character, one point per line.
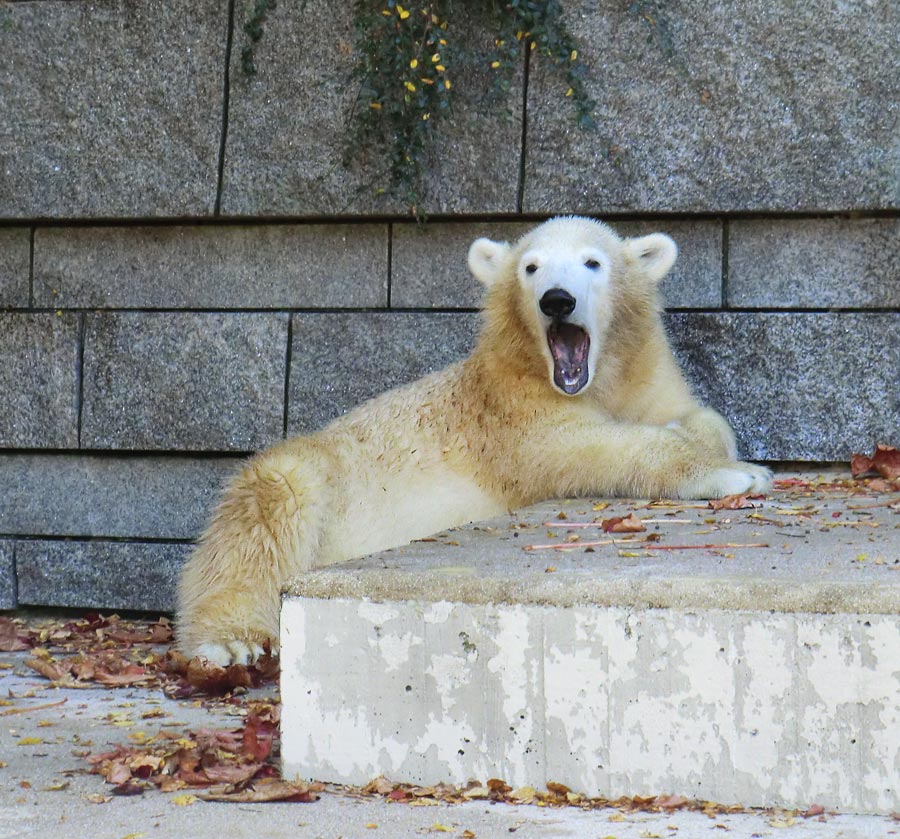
557	303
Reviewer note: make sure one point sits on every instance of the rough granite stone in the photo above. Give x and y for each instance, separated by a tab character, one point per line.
287	125
99	575
814	263
15	258
110	109
740	106
39	380
429	267
813	387
132	497
428	262
183	381
696	279
253	267
7	574
340	360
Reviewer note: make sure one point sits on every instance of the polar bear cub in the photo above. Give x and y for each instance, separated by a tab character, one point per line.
571	389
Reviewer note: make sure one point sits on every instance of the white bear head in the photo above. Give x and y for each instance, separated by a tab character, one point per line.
568	281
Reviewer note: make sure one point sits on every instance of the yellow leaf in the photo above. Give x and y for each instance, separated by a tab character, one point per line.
447	84
30	741
440	828
372	826
495	64
569	92
440	68
404	14
409	86
435	58
375	106
616	817
184	800
414	63
134	836
574	55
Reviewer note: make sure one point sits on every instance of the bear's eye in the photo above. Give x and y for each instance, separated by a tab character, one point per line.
592	264
530	268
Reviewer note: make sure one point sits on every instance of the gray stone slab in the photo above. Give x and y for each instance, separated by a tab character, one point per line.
99	575
133	497
39	380
340	360
112	109
183	381
814	263
428	262
746	106
287	125
15	259
796	386
695	281
231	267
7	574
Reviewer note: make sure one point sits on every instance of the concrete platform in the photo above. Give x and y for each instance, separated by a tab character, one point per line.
747	655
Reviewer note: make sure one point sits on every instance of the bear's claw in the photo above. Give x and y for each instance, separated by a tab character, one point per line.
231	652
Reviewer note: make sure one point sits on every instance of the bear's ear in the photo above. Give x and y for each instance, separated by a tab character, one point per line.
654	254
486	260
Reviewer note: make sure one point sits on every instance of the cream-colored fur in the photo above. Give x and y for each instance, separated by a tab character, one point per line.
486	435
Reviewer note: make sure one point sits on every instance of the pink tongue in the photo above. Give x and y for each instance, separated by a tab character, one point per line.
569	347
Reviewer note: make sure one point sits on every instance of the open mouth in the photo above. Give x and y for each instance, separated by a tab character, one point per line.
569	345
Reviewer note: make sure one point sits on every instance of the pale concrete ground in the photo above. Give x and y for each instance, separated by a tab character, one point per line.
43	810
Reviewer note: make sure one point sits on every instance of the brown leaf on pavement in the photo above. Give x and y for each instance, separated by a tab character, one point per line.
885	461
619	524
10	639
265	790
731	502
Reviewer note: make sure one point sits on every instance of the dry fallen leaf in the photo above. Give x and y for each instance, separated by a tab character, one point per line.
885	461
619	524
731	502
265	790
10	639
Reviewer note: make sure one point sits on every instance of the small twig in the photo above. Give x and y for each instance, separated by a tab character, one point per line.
10	711
872	506
569	545
706	547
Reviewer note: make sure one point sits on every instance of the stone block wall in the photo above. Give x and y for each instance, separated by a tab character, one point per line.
188	274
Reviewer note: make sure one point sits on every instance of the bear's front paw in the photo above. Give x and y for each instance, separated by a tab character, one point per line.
735	479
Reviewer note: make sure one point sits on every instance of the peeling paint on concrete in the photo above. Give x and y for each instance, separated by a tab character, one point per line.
762	708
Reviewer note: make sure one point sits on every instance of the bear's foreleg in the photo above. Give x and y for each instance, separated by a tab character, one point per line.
266	529
625	459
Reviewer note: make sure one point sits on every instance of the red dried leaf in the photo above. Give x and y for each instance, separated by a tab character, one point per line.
619	524
399	795
885	461
129	789
210	678
731	502
814	810
231	773
10	640
256	743
557	789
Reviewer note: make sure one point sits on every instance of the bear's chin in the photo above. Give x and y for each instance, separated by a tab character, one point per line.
569	348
